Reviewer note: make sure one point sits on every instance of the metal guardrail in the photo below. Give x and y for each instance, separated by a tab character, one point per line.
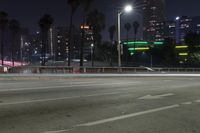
41	69
177	69
63	69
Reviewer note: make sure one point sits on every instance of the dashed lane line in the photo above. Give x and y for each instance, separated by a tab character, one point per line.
186	103
128	116
197	101
59	131
56	99
99	122
117	118
65	86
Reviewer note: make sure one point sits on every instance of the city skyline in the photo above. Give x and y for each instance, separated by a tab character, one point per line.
60	11
147	24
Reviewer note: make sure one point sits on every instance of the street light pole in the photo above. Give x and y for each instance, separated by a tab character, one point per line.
177	30
21	50
92	54
119	39
127	9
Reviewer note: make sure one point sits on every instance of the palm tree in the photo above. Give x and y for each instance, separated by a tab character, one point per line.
136	26
96	21
45	24
112	30
3	24
86	4
14	27
192	39
74	4
86	7
127	26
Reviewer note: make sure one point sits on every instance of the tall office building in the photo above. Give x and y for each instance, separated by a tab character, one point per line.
153	13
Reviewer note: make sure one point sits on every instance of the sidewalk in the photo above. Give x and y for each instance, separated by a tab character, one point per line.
65	76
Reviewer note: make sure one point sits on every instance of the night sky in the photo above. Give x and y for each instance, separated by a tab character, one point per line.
28	12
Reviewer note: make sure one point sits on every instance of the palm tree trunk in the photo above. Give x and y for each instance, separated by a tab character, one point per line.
111	52
12	56
12	50
42	53
126	48
93	52
93	55
135	39
70	39
82	43
45	47
44	42
82	47
2	47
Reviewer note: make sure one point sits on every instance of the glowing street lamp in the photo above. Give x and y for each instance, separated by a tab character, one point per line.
127	9
177	18
92	54
177	29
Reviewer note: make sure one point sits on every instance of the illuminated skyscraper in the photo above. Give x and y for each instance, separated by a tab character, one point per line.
154	13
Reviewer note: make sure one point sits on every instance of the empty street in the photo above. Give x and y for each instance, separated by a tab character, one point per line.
101	105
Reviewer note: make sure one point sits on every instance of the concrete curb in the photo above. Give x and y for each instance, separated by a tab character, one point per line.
67	76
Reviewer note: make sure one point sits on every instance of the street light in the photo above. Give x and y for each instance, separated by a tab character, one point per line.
177	18
127	9
177	25
92	54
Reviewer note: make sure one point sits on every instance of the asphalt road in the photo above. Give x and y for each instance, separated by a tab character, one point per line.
101	105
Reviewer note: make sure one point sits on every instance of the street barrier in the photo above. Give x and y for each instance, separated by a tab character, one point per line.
3	69
66	70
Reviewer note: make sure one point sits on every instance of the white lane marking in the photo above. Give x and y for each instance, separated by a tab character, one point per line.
132	75
33	83
98	75
56	99
123	117
117	118
58	131
197	101
128	116
150	97
167	80
186	103
65	86
28	83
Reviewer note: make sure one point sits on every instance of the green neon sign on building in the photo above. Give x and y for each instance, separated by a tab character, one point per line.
143	43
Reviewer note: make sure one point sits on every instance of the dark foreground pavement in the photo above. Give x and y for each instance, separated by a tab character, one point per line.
101	105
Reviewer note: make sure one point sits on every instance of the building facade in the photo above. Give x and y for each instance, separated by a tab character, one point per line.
154	14
178	28
61	42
